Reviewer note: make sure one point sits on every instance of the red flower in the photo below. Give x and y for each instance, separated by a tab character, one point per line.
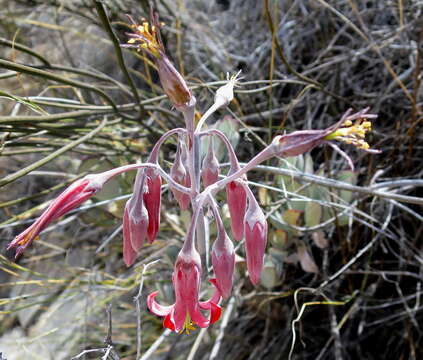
210	171
236	196
135	225
152	200
223	260
69	199
187	308
255	240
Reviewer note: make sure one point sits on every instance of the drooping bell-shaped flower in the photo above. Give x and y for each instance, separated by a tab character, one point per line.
179	173
80	191
186	311
236	197
223	260
255	239
152	200
135	220
135	223
210	169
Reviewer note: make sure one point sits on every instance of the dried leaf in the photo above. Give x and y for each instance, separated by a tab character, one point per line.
306	261
320	239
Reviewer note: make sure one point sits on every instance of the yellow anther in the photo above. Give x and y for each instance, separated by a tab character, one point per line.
188	326
352	133
147	39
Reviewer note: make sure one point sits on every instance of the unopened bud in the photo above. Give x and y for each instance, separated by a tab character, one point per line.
210	170
152	200
255	240
135	223
223	260
236	196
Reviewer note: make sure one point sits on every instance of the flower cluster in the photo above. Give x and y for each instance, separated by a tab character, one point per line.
195	183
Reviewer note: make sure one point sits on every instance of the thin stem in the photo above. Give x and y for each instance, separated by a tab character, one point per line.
155	152
219	223
47	75
12	177
16	46
106	24
206	115
232	156
108	175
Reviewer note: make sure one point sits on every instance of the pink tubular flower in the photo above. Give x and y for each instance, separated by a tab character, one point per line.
135	225
255	239
135	220
236	196
210	171
223	260
152	200
69	199
187	308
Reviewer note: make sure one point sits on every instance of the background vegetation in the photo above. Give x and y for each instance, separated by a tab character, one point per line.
344	266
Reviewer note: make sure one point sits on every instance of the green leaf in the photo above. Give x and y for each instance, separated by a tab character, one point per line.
279	238
349	177
312	214
270	275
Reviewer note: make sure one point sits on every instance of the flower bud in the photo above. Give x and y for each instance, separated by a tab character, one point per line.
129	254
152	200
223	260
210	171
181	176
135	223
255	240
236	196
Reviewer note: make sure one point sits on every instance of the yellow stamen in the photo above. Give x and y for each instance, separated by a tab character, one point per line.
353	133
188	326
27	238
148	40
